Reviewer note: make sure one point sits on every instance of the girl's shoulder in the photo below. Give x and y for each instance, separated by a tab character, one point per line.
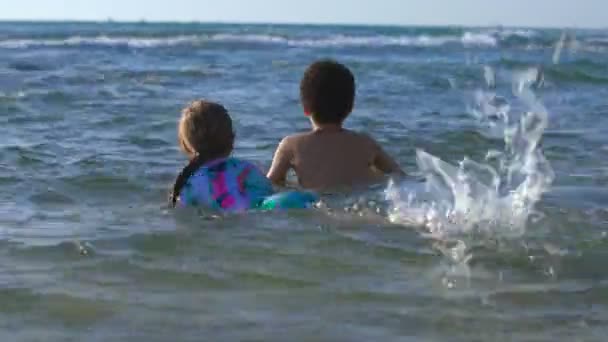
241	164
249	174
226	166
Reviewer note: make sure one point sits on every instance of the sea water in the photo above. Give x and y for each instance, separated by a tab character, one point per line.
499	232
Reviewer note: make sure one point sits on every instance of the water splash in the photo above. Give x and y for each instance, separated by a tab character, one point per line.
496	196
558	48
490	111
490	77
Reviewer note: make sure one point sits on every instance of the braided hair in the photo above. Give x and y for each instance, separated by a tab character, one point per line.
204	133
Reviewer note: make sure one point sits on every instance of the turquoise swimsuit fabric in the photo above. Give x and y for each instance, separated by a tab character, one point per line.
228	185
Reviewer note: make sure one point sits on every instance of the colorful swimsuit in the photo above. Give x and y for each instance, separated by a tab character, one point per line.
228	185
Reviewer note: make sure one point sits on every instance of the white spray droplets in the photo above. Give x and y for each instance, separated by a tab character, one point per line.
495	197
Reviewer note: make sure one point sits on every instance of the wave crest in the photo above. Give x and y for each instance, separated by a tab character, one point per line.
333	40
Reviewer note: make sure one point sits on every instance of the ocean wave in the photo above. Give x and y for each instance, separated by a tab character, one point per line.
576	75
11	96
515	33
334	40
491	38
599	40
575	70
135	42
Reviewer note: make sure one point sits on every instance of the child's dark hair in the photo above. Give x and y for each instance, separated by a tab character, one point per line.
327	91
204	133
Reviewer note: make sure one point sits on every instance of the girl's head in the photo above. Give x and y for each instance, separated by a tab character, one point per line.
205	131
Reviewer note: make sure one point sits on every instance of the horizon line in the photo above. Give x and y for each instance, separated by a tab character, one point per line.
285	23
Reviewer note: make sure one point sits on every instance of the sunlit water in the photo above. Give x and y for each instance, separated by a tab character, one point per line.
500	232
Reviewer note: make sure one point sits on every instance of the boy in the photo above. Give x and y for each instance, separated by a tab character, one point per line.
329	156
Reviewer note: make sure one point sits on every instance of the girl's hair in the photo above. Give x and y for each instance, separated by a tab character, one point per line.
204	133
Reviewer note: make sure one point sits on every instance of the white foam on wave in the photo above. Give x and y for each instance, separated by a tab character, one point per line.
248	38
135	42
341	40
507	33
470	38
335	40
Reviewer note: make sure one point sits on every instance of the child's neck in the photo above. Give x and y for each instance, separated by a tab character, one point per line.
326	127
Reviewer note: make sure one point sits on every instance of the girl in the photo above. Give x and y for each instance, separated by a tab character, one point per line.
212	178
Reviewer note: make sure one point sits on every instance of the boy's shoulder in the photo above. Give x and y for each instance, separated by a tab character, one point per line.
313	135
295	139
300	136
356	140
361	136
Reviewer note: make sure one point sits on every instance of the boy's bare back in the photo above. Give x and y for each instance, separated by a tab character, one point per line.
331	158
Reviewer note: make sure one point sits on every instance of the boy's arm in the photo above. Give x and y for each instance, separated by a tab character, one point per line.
281	163
385	163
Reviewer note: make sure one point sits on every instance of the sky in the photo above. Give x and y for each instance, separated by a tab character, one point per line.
543	13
